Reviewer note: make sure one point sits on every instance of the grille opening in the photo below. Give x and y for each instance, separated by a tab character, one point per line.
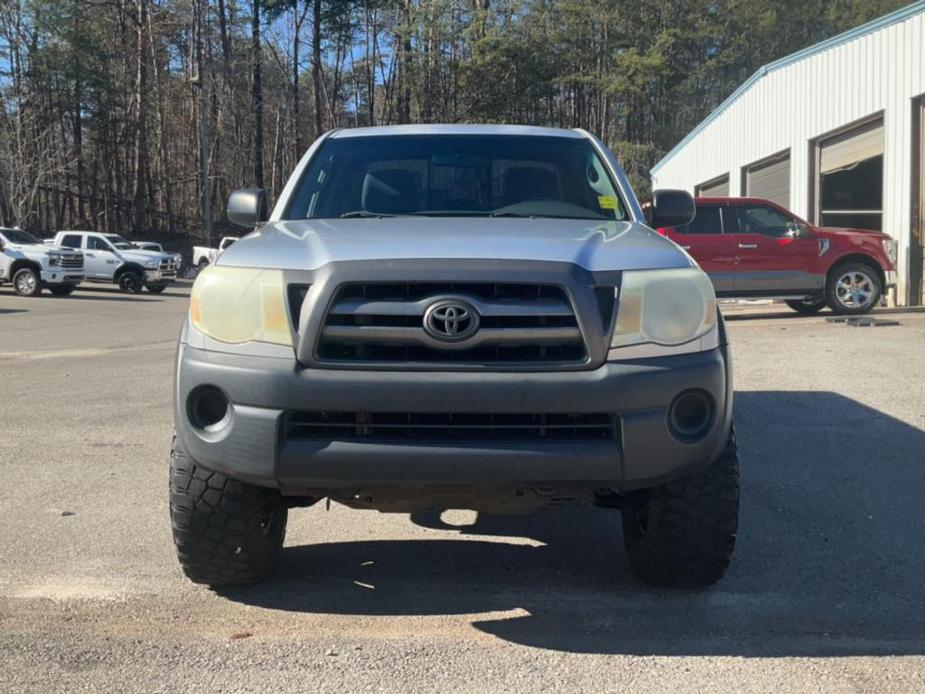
448	427
71	261
340	351
485	321
506	306
415	291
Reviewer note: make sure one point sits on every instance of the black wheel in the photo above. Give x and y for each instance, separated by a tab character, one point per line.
63	289
131	282
203	264
683	533
853	288
157	288
808	307
226	532
27	282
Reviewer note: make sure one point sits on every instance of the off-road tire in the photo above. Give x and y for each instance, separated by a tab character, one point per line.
203	264
131	282
831	289
226	532
27	282
62	289
157	288
683	533
807	308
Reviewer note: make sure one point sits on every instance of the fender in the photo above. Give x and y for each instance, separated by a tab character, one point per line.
20	263
857	256
127	267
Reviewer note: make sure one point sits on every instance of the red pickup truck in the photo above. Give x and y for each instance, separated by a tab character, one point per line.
755	248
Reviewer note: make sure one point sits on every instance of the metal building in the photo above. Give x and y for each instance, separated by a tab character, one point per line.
835	132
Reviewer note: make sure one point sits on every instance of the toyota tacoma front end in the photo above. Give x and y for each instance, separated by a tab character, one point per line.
445	317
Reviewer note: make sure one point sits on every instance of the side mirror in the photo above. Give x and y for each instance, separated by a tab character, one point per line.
797	231
247	207
671	208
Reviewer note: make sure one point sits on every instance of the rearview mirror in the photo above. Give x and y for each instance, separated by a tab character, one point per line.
671	208
247	207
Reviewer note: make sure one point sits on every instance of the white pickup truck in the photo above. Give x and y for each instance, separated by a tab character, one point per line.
203	255
111	258
29	266
158	248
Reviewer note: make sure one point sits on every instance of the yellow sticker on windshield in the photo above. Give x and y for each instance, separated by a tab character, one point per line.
607	202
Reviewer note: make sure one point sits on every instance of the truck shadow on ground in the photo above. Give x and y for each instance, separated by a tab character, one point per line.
830	558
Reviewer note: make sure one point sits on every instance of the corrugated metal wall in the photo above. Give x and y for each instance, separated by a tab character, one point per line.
791	106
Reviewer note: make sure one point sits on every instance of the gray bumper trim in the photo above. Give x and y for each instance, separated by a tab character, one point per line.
638	391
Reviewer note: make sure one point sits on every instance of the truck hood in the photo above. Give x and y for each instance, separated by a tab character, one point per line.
142	257
592	245
40	249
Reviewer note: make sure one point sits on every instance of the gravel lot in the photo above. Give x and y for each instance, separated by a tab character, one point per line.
825	591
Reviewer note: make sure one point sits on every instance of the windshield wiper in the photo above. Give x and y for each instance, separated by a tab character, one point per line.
512	214
365	213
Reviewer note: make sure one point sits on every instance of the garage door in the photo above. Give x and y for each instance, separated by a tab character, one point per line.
850	179
715	188
843	151
770	179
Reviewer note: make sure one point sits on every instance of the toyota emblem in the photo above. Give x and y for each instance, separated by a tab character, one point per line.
451	320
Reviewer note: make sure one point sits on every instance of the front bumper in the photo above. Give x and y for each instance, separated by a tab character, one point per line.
159	276
252	445
62	276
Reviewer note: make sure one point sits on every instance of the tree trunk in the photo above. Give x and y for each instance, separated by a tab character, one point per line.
317	77
257	94
198	80
141	145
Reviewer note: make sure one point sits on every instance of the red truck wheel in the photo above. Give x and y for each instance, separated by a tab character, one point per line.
853	288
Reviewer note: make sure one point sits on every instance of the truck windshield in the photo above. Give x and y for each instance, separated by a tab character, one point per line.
456	176
19	236
119	243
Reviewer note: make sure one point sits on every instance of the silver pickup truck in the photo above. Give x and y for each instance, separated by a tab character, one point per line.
445	317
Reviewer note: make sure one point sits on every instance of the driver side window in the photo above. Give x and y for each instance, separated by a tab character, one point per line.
758	219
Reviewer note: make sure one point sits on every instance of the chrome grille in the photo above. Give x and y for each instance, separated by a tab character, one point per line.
71	262
383	323
169	266
449	427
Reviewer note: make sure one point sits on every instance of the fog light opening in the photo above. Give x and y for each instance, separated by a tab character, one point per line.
208	408
691	415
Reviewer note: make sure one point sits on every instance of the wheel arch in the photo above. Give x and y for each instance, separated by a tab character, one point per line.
128	267
862	258
21	263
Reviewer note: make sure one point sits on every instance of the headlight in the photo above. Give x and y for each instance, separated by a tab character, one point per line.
239	305
151	265
667	307
53	260
889	247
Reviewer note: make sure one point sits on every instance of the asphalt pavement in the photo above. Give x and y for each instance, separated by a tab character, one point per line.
825	591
